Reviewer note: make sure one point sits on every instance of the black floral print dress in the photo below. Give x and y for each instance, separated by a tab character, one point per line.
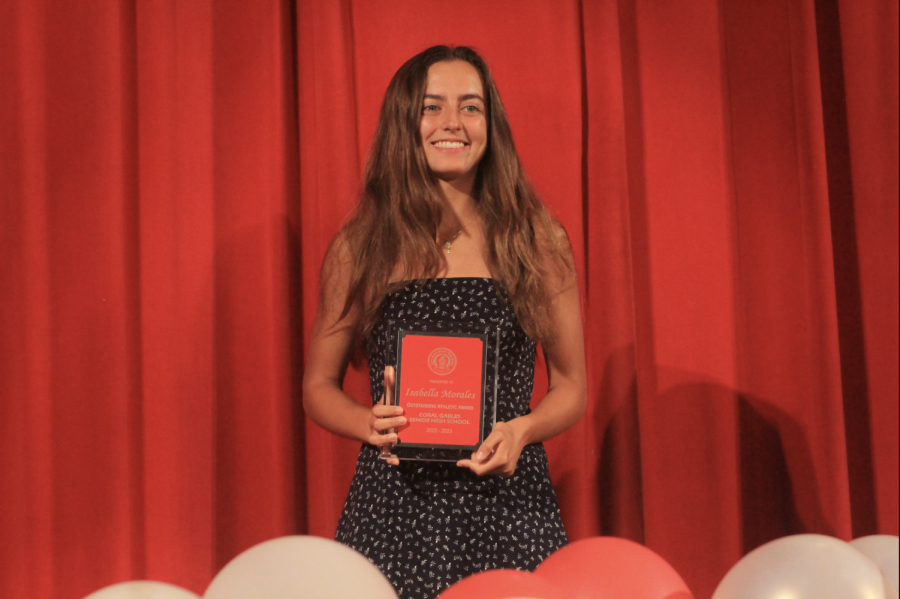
430	524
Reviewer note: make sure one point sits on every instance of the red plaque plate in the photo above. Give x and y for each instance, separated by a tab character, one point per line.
446	386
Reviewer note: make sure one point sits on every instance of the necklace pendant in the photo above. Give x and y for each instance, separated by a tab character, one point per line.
448	245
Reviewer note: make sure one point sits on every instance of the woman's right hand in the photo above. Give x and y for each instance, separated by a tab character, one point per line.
385	416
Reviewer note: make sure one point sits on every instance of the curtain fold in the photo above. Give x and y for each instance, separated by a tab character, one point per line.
177	240
867	295
789	367
329	174
171	174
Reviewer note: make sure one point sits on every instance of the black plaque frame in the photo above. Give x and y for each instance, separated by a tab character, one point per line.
397	331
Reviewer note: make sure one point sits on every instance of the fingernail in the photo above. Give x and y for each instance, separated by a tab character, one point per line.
479	456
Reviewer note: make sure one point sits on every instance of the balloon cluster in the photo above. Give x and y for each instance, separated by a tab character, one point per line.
799	567
815	566
595	568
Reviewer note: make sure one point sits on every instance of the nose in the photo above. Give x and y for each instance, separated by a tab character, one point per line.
451	122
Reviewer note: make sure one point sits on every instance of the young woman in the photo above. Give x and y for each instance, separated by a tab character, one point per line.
448	227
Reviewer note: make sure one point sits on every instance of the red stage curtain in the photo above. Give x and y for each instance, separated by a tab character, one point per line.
171	173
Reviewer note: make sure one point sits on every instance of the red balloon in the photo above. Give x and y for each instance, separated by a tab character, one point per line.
611	568
504	584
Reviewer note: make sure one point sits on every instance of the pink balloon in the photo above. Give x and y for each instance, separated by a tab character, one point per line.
503	584
611	568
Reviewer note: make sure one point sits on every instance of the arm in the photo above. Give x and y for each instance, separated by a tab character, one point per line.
330	349
566	397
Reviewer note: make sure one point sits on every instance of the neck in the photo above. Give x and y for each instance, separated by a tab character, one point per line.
459	205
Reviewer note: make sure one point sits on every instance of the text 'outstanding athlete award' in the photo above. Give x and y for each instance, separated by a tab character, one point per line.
447	386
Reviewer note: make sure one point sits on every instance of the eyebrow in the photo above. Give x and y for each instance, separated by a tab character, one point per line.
462	97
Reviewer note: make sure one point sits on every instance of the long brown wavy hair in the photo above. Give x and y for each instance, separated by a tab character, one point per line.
394	226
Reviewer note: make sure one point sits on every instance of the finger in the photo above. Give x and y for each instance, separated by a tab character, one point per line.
383	424
480	469
494	463
389	458
380	440
383	411
471	465
488	447
478	466
390	377
386	414
482	456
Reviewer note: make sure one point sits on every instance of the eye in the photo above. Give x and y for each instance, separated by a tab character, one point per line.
430	108
471	108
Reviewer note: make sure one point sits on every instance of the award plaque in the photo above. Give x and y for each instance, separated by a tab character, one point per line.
446	383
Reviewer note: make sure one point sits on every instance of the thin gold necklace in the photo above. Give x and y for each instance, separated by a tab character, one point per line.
448	244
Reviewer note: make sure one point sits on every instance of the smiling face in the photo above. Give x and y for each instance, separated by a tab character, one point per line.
454	121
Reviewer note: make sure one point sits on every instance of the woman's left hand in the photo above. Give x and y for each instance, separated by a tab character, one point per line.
499	453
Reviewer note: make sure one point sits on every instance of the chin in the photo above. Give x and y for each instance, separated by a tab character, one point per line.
449	175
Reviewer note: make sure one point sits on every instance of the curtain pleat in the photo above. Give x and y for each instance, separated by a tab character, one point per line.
867	289
177	241
329	170
171	174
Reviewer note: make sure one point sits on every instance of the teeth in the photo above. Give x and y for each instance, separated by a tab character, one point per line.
449	144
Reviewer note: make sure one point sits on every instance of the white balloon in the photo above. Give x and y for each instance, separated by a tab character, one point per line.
884	550
142	589
803	567
300	567
890	591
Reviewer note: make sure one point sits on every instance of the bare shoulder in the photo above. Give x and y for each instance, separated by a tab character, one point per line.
335	278
556	255
338	253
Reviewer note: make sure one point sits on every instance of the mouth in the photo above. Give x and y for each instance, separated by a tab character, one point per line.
449	144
